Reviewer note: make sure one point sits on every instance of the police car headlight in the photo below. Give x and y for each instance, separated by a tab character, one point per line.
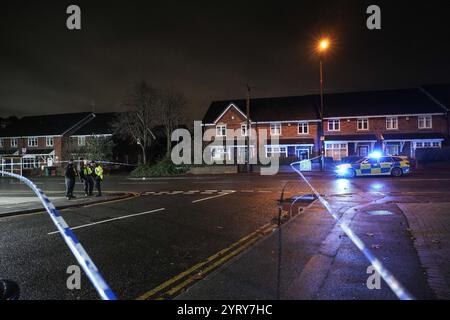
341	170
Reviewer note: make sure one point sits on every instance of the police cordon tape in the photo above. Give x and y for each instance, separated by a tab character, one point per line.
388	277
71	240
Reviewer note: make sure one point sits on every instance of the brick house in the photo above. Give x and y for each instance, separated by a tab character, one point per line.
40	141
293	120
354	124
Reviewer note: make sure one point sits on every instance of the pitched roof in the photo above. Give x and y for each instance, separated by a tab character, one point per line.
82	123
268	109
101	124
372	103
349	104
44	125
440	92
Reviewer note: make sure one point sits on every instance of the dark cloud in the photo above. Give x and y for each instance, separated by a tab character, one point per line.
210	50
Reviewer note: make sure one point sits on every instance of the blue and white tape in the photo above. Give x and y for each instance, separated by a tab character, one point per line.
388	277
71	240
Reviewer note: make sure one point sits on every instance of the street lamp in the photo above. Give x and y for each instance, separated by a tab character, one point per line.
322	47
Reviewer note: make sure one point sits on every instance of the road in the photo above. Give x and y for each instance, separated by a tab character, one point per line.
148	246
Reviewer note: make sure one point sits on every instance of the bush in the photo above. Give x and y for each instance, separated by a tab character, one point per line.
163	168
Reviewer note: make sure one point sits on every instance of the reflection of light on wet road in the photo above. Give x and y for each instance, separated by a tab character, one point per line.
376	186
342	185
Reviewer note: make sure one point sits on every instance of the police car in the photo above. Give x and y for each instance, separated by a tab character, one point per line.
375	164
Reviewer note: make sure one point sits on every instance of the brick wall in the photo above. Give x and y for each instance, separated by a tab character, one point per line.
378	125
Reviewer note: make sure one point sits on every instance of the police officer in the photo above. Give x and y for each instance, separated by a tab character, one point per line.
98	178
70	175
86	178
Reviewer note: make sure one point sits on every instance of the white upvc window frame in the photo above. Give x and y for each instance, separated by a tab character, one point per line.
276	149
49	142
14	142
390	121
334	125
275	129
221	130
362	124
422	121
81	141
303	125
220	153
31	140
29	162
1	142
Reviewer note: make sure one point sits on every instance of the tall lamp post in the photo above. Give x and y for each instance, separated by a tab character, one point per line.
322	48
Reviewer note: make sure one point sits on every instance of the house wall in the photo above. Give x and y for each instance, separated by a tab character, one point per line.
378	125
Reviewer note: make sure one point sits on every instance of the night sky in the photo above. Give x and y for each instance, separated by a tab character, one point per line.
210	50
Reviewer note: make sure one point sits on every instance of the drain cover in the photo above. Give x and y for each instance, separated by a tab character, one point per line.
379	213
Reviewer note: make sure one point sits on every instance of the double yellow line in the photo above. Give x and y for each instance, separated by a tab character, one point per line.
174	285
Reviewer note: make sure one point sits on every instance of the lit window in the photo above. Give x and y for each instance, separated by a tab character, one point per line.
334	125
337	151
275	129
81	141
391	123
49	141
425	122
363	124
303	128
32	142
221	130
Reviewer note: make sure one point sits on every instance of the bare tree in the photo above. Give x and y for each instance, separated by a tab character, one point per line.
140	117
171	113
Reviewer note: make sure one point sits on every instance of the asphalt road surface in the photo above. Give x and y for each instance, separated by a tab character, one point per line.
146	244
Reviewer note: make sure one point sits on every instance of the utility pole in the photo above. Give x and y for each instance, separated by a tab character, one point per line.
321	131
247	129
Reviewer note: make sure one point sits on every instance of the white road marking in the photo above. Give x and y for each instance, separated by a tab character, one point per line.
208	198
113	219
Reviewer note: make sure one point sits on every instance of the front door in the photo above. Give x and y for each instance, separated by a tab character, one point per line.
363	151
302	154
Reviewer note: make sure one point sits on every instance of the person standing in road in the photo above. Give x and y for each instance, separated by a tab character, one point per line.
86	178
70	175
98	178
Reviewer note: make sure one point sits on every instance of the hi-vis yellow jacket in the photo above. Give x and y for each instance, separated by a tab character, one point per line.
99	171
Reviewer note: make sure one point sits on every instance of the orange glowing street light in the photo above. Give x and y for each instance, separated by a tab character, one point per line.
324	44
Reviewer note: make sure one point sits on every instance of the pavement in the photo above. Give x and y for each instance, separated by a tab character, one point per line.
217	237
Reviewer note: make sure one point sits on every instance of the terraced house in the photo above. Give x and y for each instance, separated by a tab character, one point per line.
34	142
353	124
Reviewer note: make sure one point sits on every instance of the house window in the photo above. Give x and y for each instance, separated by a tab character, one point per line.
28	163
303	128
221	130
81	141
391	123
270	151
49	141
428	144
244	130
1	143
14	142
363	124
32	142
220	153
275	129
337	151
425	122
334	125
